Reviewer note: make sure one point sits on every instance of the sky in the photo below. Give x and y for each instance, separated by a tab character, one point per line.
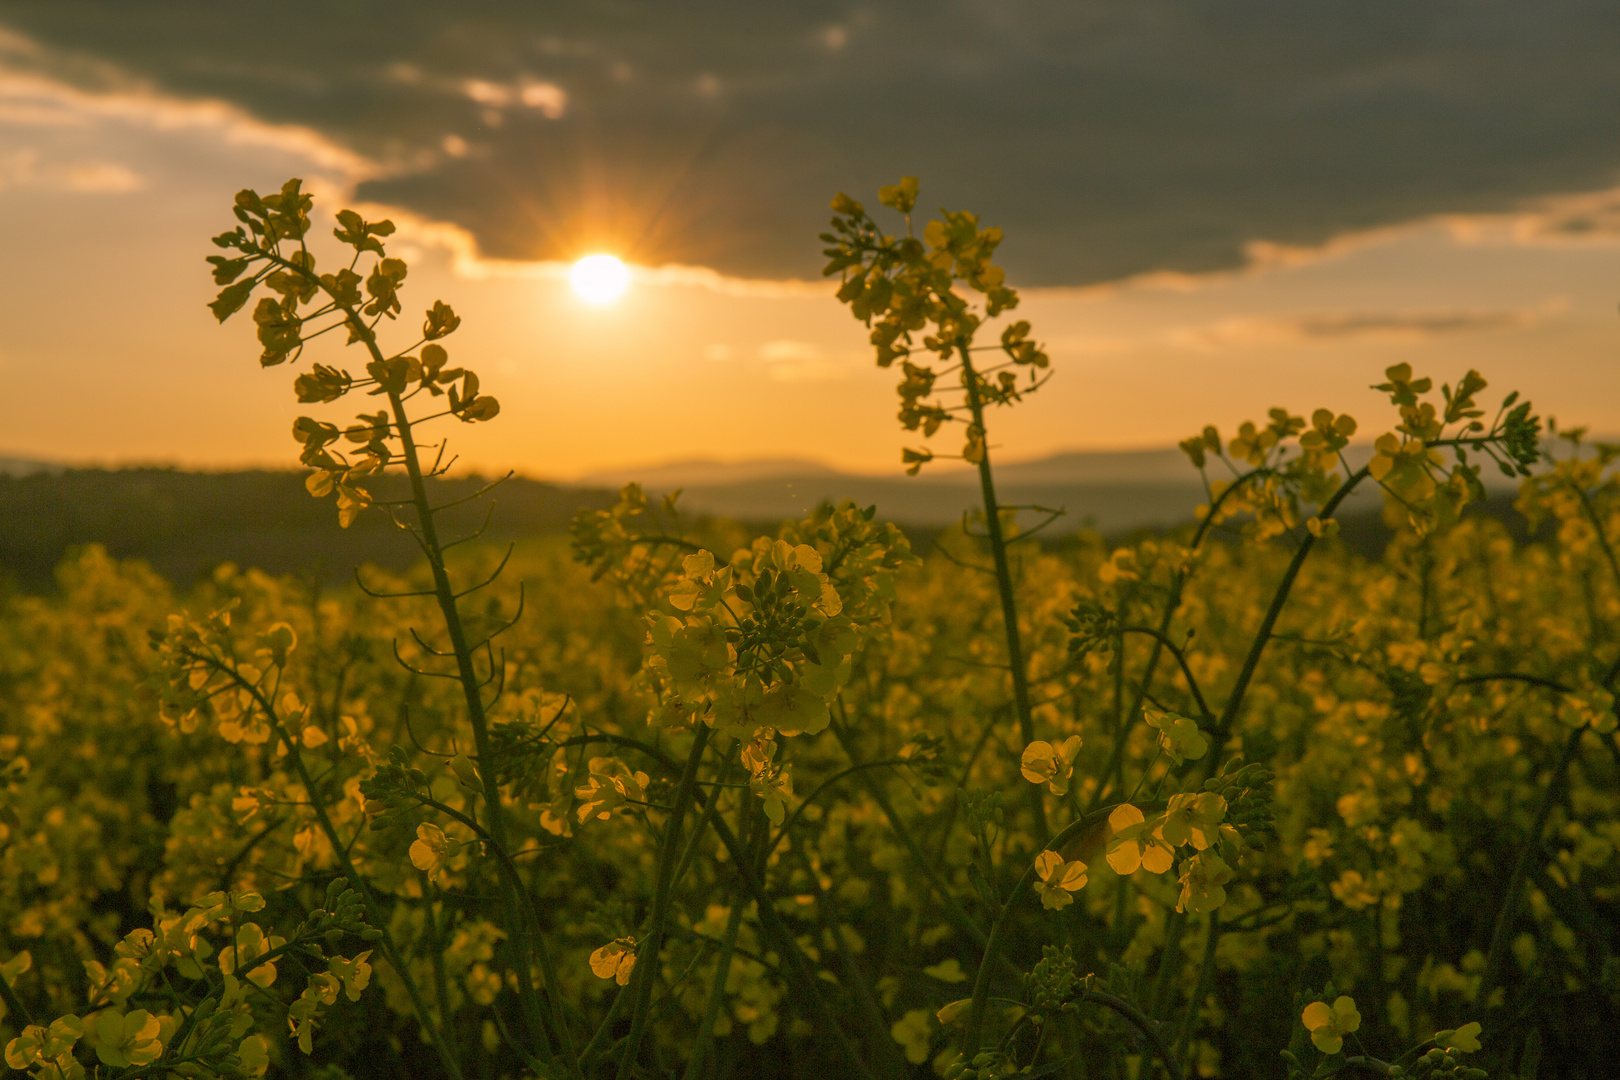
1210	209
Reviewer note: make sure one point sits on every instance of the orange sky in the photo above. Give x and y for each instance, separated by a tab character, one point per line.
108	354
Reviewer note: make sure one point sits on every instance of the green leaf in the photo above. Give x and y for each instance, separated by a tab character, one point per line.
230	299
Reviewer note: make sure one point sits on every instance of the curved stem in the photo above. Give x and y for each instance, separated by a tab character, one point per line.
953	908
14	1004
798	811
981	984
722	970
795	963
1141	1023
1181	659
1172	604
531	918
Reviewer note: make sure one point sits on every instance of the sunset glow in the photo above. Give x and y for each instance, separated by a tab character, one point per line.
599	279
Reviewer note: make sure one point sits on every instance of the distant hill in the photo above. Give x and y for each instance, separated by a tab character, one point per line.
186	523
1111	491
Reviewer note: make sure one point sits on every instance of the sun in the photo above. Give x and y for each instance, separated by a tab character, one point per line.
599	279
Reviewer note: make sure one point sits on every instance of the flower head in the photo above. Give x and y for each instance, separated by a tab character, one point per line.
432	848
1203	878
124	1039
615	960
1193	818
1464	1039
1044	763
1134	846
1329	1025
1057	880
1179	737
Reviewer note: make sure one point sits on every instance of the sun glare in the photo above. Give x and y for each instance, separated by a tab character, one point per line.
599	279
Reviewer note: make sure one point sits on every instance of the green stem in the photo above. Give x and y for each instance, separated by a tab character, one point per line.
797	967
1206	969
1234	703
1521	866
346	864
964	922
722	970
992	947
1143	1023
1169	961
14	1004
548	969
467	674
1172	604
646	968
1004	579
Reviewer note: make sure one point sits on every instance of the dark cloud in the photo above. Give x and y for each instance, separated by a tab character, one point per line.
1329	327
1108	139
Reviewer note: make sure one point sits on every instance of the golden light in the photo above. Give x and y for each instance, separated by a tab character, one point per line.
599	279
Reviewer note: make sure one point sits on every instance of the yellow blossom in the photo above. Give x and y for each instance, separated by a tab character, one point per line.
1179	737
124	1039
1193	818
911	1032
1464	1039
1057	880
1051	765
1133	845
1203	878
615	960
1329	1025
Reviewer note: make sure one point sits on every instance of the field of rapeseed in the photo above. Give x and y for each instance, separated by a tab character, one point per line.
674	800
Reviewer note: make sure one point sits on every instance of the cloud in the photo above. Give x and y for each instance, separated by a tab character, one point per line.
1161	137
1326	328
27	167
800	361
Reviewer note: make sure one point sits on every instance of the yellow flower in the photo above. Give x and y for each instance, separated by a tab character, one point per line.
124	1039
1202	880
615	960
1058	880
1328	1026
911	1032
431	848
354	974
776	788
1464	1039
1133	846
1179	737
250	943
612	784
1195	818
1051	765
38	1044
254	1054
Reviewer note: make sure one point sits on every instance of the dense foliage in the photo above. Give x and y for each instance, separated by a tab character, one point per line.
1230	802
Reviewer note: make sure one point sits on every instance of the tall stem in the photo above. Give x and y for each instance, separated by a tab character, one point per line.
1521	866
728	944
1004	580
1262	636
1206	969
646	969
992	948
467	675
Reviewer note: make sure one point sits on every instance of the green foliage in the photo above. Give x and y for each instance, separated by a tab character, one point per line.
699	803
